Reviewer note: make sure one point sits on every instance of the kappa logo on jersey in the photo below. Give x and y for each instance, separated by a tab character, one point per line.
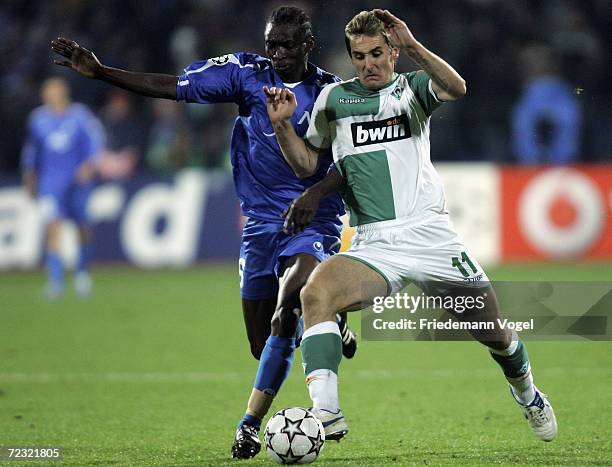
318	246
222	60
356	100
380	131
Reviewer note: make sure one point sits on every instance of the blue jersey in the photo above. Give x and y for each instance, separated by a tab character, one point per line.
265	183
58	144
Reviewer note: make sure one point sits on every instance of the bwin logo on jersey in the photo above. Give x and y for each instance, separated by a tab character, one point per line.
380	131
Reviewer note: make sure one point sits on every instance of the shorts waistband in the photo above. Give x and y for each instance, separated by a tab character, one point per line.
402	223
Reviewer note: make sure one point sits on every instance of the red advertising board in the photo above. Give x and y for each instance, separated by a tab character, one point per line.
556	213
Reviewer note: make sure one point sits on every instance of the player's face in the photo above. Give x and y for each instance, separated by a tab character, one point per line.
288	50
55	93
373	59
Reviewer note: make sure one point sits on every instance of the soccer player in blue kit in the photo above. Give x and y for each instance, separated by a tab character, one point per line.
62	140
273	266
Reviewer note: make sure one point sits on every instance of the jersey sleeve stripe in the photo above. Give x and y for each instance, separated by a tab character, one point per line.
232	58
432	92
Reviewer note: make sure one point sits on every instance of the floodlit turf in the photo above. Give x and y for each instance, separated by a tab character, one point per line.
155	369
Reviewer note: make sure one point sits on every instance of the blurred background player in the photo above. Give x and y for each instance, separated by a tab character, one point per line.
63	138
547	119
273	266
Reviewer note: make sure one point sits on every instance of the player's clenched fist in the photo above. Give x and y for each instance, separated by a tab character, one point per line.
79	58
280	103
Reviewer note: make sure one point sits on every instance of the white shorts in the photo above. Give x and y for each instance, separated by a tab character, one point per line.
423	252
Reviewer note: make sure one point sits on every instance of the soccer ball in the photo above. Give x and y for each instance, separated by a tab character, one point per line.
294	436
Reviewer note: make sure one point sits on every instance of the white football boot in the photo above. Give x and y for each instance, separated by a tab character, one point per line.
333	422
540	416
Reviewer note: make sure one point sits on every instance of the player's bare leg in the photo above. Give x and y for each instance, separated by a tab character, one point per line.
257	316
510	353
276	361
55	265
339	283
285	319
277	358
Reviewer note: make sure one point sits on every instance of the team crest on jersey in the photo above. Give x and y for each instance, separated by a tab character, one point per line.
380	131
222	60
397	92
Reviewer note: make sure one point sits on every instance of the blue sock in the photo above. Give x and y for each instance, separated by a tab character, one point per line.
251	420
85	253
274	366
55	269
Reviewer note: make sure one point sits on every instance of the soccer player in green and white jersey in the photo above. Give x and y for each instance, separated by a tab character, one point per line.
378	127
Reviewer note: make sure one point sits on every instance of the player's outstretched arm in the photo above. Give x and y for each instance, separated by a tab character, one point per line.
446	82
281	104
87	64
303	209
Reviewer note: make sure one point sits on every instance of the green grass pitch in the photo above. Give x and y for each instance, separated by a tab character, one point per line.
154	369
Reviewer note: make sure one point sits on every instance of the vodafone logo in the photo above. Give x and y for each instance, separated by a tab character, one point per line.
561	213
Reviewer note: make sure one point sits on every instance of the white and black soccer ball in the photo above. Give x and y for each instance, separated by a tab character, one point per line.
294	436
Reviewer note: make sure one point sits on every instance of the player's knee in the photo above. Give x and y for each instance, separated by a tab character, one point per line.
54	235
308	298
501	342
316	300
285	320
498	340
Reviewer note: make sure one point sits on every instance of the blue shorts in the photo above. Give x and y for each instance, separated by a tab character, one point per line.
67	202
265	247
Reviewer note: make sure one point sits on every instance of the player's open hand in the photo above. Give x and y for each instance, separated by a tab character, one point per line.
280	103
399	33
78	58
301	212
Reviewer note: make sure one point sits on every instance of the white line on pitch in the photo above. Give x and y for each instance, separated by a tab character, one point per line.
197	377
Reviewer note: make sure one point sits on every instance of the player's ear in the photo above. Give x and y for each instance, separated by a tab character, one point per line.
395	53
310	44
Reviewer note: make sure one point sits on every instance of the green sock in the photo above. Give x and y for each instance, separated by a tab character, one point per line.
321	353
321	347
515	364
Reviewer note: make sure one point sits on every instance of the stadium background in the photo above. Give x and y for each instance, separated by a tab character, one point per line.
155	367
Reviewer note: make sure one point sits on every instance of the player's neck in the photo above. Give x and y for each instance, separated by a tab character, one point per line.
59	107
300	74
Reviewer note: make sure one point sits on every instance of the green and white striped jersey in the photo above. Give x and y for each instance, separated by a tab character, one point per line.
380	143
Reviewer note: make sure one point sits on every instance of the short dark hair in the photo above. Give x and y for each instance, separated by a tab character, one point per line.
294	16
